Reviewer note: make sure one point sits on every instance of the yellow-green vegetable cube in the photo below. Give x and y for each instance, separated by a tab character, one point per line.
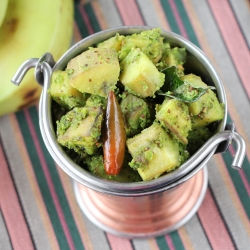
139	75
95	71
114	42
174	56
154	152
137	112
149	41
80	129
62	92
207	108
174	116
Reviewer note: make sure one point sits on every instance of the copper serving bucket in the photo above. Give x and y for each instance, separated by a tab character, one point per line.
142	209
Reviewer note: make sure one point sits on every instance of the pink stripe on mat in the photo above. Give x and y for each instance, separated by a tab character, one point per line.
161	14
77	33
169	242
178	19
118	243
129	12
99	15
213	224
233	38
185	238
49	181
86	20
11	209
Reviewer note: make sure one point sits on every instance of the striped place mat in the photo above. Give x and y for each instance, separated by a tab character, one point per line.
38	209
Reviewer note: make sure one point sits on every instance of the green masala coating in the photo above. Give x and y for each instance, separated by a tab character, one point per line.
80	129
137	112
164	121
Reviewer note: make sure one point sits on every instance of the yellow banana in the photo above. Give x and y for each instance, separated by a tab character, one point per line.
3	8
29	29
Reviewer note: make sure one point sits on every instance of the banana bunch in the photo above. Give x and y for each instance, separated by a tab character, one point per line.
28	29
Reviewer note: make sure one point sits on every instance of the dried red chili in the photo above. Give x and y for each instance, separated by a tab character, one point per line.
114	136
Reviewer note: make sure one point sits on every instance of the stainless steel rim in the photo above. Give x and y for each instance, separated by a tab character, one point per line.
125	189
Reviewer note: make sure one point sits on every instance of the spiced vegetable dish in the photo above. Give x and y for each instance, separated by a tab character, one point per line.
126	110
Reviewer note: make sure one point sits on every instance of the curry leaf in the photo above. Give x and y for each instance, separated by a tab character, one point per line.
182	90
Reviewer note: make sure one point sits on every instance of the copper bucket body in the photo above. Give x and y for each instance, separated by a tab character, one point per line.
142	209
144	216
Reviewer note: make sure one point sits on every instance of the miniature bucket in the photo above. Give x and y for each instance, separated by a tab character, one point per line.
142	209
